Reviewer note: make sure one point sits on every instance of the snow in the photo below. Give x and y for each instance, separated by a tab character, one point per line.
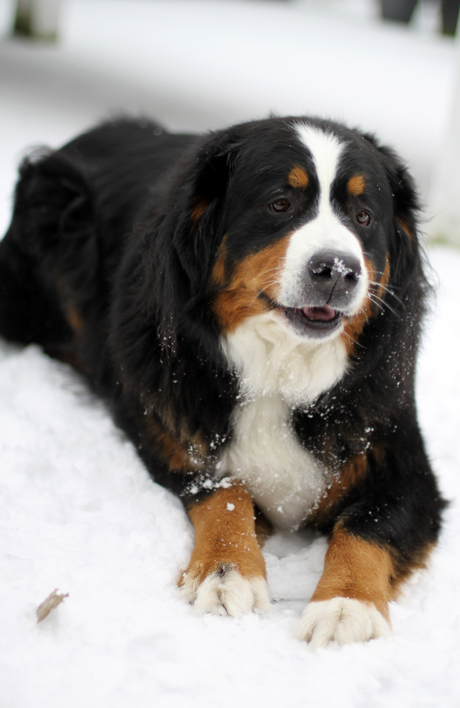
78	511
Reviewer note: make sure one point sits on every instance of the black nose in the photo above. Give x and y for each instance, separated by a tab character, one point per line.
333	277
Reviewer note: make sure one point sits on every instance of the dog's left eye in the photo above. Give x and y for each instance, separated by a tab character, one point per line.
363	218
279	206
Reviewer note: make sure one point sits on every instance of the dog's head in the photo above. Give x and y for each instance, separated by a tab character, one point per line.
301	221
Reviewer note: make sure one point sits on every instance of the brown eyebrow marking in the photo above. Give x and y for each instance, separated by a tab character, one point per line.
356	185
298	178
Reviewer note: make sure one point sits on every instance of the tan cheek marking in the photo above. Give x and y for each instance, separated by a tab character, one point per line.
298	178
356	185
357	569
225	535
354	471
354	326
258	272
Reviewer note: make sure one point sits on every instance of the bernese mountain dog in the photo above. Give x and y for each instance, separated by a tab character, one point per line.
248	303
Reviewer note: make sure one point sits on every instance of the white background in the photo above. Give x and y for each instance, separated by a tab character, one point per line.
77	509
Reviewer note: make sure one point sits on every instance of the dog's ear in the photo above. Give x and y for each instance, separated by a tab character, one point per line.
182	237
403	191
195	206
404	243
209	180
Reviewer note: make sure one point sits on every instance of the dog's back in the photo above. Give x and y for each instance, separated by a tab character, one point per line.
74	210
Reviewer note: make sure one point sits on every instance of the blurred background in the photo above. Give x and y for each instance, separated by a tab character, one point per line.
390	67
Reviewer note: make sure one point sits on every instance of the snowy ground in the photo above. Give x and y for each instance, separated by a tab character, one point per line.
79	512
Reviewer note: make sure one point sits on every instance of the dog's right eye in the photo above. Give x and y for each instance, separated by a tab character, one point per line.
363	218
279	206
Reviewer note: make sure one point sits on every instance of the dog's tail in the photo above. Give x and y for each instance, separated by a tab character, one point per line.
41	263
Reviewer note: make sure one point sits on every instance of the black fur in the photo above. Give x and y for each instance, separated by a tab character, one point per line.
106	266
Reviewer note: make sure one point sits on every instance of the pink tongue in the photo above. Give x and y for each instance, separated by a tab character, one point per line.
325	313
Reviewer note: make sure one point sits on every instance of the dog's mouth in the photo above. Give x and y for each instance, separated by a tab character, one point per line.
319	319
312	321
320	314
316	321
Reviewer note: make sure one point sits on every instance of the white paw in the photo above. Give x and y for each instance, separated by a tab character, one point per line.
226	592
341	620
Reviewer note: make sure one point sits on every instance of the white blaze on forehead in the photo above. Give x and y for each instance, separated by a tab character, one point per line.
326	150
324	232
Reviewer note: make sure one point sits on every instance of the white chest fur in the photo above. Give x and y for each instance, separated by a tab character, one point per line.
283	478
278	372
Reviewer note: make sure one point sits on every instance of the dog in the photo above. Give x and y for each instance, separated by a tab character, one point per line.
249	304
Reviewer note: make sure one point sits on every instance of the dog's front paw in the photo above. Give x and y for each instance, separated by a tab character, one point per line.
342	620
225	592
